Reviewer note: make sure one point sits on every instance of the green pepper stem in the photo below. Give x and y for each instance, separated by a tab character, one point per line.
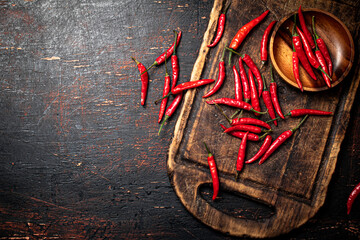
313	27
227	7
271	74
223	113
262	113
294	33
302	121
223	54
158	100
174	53
162	124
233	51
208	151
264	135
154	64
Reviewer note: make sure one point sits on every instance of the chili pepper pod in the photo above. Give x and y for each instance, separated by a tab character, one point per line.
220	27
241	155
305	29
244	31
161	59
280	140
264	43
144	81
322	62
264	147
175	64
246	128
166	90
255	102
237	84
171	109
267	100
253	121
354	193
213	172
251	136
303	112
221	77
274	96
295	63
234	103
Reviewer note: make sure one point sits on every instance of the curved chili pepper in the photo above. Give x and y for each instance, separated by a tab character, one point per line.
300	51
254	121
220	27
221	77
264	42
267	100
295	62
354	193
264	147
254	95
308	51
234	103
304	28
241	155
161	59
144	81
165	93
244	31
171	109
303	112
273	94
213	172
322	62
246	128
251	136
237	83
175	64
322	46
280	140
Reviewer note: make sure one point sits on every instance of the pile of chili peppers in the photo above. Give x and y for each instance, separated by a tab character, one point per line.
247	95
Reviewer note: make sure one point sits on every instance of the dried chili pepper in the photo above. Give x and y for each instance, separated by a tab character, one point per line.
280	140
234	103
304	28
322	46
254	94
237	84
168	53
175	64
273	94
295	63
244	31
300	51
171	109
251	136
264	147
354	193
241	155
246	128
166	90
221	77
268	102
253	121
213	172
264	43
220	27
144	81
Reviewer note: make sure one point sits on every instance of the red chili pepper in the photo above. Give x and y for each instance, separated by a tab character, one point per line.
303	112
273	94
300	51
264	42
264	147
244	81
322	46
144	81
308	51
246	128
221	77
175	64
244	31
220	28
295	62
171	109
254	95
241	155
237	83
165	93
251	136
213	172
280	140
234	103
304	28
354	193
253	121
168	53
267	100
322	62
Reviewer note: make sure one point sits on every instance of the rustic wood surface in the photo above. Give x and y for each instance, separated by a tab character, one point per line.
80	158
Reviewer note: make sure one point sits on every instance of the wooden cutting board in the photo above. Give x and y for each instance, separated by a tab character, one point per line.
290	187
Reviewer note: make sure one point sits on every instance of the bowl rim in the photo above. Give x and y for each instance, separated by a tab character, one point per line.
312	89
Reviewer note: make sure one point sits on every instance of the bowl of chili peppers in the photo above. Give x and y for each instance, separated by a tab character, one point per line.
311	50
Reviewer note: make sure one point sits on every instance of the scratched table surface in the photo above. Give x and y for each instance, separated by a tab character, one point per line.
80	157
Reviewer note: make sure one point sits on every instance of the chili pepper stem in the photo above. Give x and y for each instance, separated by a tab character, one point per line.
207	149
262	113
174	53
240	111
237	175
264	135
233	51
230	56
162	124
301	122
154	64
158	100
223	113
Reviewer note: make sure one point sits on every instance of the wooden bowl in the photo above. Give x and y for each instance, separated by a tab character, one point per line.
338	41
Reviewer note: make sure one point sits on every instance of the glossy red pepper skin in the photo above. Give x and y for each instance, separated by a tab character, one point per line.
189	85
354	193
241	153
250	63
303	112
213	172
244	81
322	62
302	57
276	144
295	62
171	109
233	103
308	50
274	96
251	136
325	52
221	77
305	29
166	90
254	94
246	128
253	121
175	70
264	147
268	103
264	42
169	51
237	84
144	81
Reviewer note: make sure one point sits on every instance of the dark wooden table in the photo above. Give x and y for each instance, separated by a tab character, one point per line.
80	158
